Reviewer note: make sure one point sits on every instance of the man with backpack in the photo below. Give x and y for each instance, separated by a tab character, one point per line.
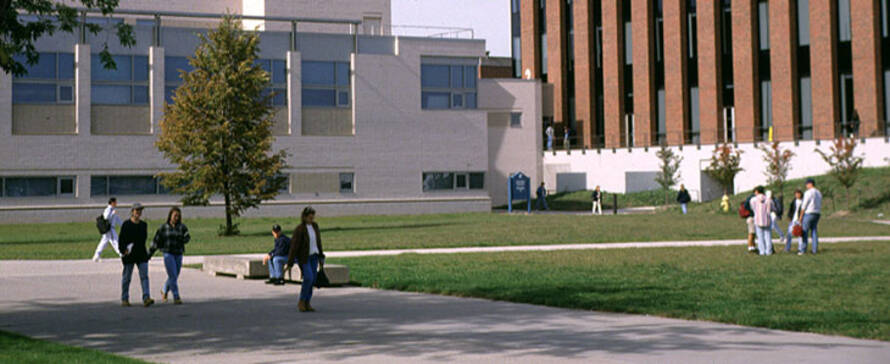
747	213
106	225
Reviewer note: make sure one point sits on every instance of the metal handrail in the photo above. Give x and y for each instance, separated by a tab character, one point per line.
182	14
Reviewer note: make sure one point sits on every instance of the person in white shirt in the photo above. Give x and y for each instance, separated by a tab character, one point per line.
109	214
809	220
794	213
549	133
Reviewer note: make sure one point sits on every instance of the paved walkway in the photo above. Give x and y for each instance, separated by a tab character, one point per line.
520	248
234	321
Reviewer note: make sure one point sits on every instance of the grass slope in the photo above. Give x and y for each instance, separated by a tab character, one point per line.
841	291
16	348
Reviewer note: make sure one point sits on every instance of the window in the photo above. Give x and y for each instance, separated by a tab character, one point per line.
125	85
125	185
371	25
42	186
806	110
517	57
450	181
325	84
49	81
347	182
766	108
803	22
448	86
277	70
763	24
843	21
172	79
516	119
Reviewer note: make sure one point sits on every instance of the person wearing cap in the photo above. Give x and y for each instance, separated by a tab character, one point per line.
809	219
134	233
277	258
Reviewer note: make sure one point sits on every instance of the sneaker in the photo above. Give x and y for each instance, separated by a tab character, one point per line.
271	281
125	303
177	301
164	296
148	302
279	282
96	259
800	253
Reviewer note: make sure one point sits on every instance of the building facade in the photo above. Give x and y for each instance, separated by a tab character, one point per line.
372	123
638	73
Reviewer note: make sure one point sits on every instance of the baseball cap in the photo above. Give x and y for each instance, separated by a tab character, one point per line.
811	181
276	228
137	206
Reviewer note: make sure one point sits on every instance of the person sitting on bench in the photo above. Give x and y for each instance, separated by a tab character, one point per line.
278	257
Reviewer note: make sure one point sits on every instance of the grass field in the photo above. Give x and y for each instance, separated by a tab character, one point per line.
841	291
78	240
16	348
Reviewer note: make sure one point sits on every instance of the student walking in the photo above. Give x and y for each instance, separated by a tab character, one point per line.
565	139
277	257
794	213
134	233
541	202
109	214
812	210
597	198
306	249
762	206
170	239
549	133
683	198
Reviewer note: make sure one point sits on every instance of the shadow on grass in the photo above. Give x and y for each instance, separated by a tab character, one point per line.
359	228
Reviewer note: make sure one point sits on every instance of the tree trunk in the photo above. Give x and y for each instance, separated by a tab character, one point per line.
228	215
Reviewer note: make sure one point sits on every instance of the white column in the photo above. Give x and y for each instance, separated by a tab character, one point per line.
353	59
156	86
82	97
294	91
5	104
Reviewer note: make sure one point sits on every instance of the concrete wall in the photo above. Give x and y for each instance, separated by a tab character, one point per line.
511	149
43	119
608	168
120	120
393	143
327	121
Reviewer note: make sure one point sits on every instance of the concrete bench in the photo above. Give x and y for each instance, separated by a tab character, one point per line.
253	268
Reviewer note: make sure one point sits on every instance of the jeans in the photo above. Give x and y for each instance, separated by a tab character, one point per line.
276	267
810	226
684	207
789	235
774	226
128	274
550	143
173	263
764	240
309	271
541	203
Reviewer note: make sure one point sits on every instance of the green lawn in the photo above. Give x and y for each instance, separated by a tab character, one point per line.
78	240
16	348
841	291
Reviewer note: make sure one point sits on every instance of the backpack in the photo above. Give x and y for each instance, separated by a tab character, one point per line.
103	225
743	211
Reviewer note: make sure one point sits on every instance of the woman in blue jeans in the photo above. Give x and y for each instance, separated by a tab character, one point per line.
306	248
171	238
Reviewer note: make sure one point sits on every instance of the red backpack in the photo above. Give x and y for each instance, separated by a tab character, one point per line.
743	211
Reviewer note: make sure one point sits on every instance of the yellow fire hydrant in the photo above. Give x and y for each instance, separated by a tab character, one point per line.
724	204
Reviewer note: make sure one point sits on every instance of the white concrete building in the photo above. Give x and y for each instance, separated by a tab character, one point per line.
372	123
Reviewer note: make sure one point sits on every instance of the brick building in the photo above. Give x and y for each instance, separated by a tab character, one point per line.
647	72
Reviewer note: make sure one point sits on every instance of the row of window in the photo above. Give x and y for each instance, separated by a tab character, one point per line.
64	186
453	181
448	86
37	186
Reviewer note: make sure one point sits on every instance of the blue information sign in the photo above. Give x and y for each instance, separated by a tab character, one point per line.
519	189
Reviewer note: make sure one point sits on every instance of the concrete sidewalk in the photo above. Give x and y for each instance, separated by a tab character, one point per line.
519	248
232	321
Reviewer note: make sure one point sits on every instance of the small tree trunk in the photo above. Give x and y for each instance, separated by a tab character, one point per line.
228	215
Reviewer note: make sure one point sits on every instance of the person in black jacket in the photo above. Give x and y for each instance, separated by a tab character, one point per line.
171	238
683	198
793	215
277	258
307	251
132	238
597	198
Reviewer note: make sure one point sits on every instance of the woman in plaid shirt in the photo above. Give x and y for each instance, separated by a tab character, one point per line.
171	238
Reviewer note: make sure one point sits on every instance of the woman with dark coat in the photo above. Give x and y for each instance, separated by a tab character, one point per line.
306	249
171	238
134	233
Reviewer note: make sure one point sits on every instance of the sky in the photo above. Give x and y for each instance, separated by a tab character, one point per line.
490	19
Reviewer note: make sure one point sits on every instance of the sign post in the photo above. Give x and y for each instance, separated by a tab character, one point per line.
519	188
